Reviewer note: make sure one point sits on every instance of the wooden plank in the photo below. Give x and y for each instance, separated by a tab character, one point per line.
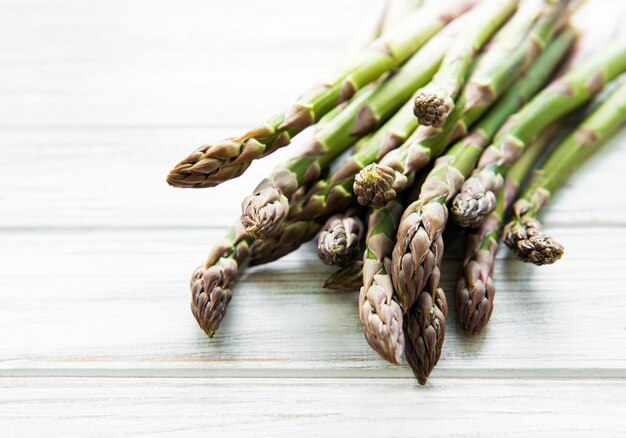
115	178
188	62
311	407
161	63
102	300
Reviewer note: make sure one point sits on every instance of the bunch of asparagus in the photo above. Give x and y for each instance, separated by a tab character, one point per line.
451	108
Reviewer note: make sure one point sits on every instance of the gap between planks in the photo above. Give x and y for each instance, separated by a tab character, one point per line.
256	373
10	229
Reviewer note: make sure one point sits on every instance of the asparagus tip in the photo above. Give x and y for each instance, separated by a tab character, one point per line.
339	242
425	328
204	168
474	297
419	247
373	185
431	109
382	321
530	244
264	211
211	165
175	178
210	294
470	208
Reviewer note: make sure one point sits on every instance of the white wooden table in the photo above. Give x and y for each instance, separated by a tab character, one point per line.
99	100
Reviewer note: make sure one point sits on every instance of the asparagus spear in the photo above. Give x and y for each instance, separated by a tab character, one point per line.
416	258
211	165
477	198
348	278
339	242
212	281
512	51
433	104
524	233
268	206
475	289
379	311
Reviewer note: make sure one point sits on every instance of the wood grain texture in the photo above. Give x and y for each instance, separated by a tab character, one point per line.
115	177
145	63
99	101
311	407
119	299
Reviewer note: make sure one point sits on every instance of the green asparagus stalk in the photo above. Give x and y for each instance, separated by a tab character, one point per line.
384	17
396	11
433	104
330	195
334	113
379	19
325	122
477	198
379	311
268	206
416	258
369	29
211	165
513	49
524	233
464	34
339	242
310	211
212	281
348	278
334	193
475	289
